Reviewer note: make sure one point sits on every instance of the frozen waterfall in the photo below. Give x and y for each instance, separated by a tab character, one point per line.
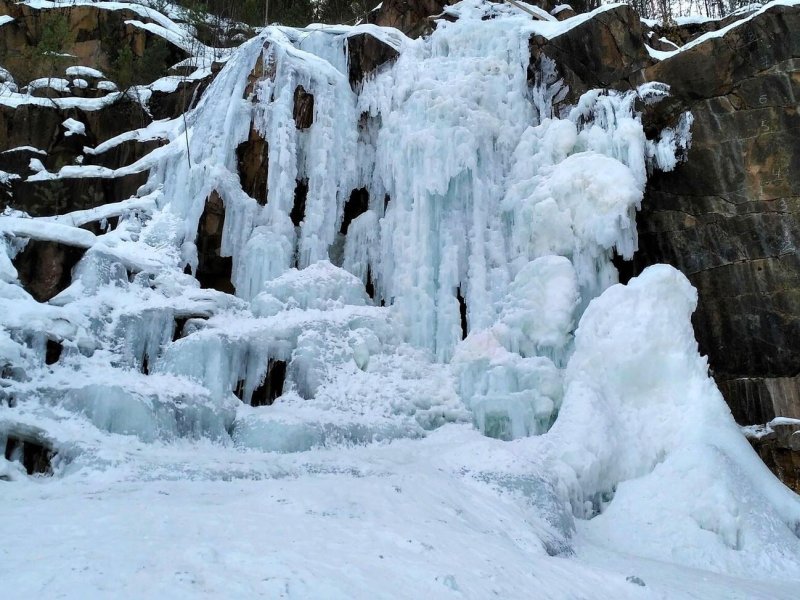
470	302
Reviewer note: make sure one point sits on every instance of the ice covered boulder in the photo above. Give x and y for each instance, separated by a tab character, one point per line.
510	396
538	313
319	286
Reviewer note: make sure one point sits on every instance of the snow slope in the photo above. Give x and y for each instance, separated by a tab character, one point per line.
572	445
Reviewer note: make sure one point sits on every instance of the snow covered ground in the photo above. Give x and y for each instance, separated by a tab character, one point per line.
572	445
377	522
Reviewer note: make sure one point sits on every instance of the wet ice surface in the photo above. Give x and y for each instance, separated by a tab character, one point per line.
572	444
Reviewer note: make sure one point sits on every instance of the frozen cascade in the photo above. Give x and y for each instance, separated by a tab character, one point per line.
488	217
493	302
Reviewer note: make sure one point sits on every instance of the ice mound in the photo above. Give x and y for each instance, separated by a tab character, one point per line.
319	286
642	422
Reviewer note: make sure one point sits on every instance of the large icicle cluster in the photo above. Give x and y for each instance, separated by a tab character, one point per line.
493	303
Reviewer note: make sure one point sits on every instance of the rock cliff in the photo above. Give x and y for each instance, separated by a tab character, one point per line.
729	217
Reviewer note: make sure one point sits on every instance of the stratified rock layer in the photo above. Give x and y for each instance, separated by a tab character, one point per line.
34	133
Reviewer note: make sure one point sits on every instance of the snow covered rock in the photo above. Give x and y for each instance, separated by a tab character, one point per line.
563	11
689	28
74	127
605	51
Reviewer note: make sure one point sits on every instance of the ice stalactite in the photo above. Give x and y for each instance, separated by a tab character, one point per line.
323	155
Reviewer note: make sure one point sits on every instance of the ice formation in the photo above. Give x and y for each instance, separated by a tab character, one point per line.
494	326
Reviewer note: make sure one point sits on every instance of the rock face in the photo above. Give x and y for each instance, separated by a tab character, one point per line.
367	53
253	163
605	52
303	108
213	269
45	268
412	17
93	36
779	448
729	217
60	196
